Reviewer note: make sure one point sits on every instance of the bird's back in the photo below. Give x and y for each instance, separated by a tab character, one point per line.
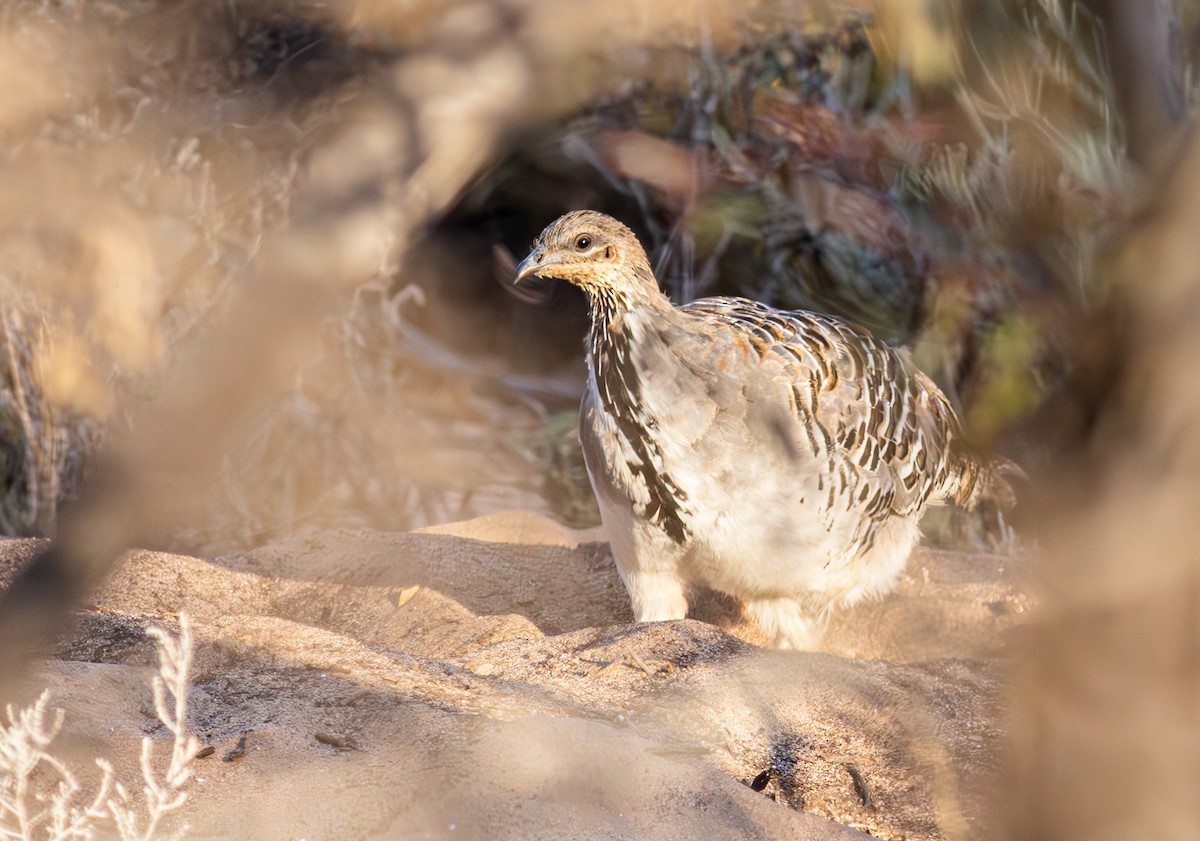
859	403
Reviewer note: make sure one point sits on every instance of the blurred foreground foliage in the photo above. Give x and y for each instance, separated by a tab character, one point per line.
947	173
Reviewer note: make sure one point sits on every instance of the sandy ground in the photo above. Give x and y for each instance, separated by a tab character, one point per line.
484	680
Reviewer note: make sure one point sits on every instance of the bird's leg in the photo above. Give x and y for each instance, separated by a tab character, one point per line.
787	623
655	595
649	563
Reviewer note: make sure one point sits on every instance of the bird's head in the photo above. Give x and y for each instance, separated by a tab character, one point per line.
596	253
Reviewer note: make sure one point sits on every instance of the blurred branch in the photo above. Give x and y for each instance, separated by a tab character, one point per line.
1139	54
1108	680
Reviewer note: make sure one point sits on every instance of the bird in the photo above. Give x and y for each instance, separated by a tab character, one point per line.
782	457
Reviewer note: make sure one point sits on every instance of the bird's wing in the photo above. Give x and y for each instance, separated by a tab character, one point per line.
883	425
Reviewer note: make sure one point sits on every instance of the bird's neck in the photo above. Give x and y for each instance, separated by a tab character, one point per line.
634	294
624	318
627	313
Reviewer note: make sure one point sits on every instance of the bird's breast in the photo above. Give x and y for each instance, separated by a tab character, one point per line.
628	433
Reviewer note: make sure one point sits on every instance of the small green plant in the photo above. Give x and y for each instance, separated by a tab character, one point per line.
41	797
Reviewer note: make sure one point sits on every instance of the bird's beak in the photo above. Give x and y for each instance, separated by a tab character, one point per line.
536	263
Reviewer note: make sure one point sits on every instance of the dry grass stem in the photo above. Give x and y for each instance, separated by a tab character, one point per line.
39	794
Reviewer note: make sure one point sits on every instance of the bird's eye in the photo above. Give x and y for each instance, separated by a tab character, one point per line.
583	242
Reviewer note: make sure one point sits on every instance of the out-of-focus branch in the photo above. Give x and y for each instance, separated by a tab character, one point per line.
1108	695
369	188
1139	54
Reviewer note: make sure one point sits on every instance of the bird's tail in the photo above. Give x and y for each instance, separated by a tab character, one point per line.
979	481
